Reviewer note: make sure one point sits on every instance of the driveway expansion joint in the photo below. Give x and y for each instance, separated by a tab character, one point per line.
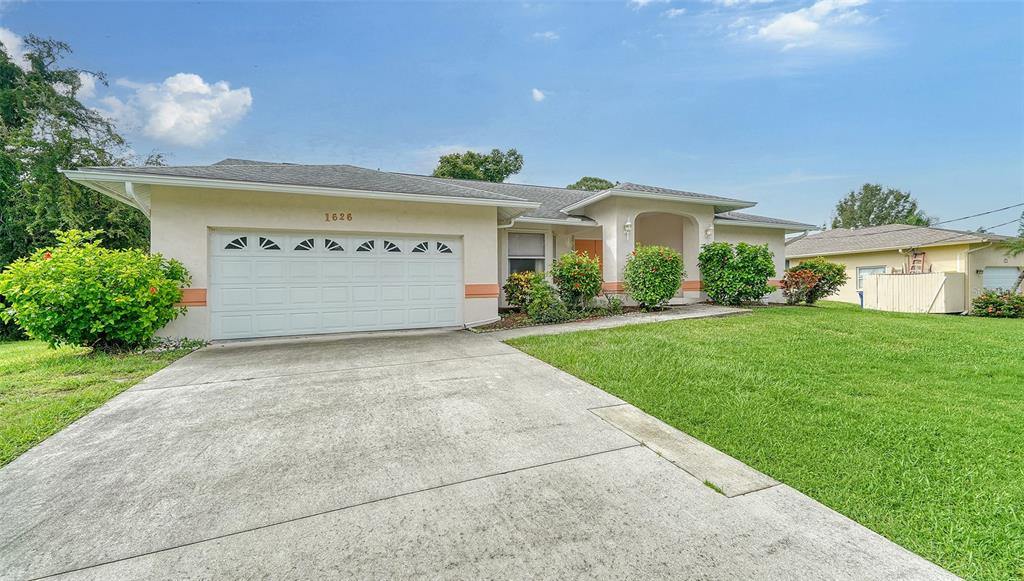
140	387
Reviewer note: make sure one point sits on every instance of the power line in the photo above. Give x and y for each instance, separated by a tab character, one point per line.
984	214
912	227
982	232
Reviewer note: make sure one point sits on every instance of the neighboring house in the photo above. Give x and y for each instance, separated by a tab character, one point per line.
899	248
284	249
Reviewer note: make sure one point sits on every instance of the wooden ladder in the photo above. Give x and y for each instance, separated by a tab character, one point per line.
917	263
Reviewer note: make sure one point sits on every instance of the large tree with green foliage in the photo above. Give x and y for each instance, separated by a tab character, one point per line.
591	183
45	127
877	206
495	166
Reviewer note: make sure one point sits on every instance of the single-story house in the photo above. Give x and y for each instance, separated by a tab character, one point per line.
285	249
899	248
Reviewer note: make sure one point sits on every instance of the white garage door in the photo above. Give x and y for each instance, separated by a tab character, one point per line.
1000	277
266	284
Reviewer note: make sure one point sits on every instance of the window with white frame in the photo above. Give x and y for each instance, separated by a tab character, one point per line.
863	271
525	252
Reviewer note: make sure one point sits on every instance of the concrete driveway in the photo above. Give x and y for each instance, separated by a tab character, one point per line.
440	455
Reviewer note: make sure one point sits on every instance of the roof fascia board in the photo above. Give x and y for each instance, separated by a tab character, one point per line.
794	227
738	204
82	176
886	249
570	221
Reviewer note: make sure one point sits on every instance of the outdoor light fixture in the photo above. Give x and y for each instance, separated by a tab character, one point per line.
709	232
627	228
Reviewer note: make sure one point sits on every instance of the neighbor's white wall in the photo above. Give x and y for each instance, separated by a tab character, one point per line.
182	218
952	258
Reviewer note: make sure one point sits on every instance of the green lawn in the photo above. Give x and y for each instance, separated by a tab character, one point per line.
43	390
912	425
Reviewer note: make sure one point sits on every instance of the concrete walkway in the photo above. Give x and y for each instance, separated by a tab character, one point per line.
444	455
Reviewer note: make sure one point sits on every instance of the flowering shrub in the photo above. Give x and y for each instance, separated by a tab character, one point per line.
517	288
578	278
797	285
653	275
998	303
735	275
78	293
831	277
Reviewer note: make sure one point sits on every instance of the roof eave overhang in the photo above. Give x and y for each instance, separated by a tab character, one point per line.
789	228
887	248
95	179
556	221
720	205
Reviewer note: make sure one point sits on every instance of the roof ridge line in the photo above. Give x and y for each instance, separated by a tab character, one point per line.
426	180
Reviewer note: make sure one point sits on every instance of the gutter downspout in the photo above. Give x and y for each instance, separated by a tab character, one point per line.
967	276
130	189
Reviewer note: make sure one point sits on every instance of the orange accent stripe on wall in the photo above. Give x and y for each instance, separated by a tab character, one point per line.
613	287
692	285
192	297
481	291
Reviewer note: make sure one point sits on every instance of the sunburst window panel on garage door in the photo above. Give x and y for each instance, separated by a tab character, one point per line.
283	284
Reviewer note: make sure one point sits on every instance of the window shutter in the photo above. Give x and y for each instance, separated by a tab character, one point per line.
525	245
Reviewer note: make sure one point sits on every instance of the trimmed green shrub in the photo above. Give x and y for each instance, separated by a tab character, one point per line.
653	275
831	277
578	279
79	293
545	306
998	303
797	285
517	288
736	275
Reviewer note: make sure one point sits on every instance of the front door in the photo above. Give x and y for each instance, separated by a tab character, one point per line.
592	248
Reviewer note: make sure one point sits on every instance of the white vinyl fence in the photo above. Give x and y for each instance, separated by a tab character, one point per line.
932	292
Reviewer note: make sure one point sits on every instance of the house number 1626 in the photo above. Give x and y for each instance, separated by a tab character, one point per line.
337	216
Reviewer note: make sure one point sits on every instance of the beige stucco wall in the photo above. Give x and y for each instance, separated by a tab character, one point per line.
614	213
969	259
182	218
558	240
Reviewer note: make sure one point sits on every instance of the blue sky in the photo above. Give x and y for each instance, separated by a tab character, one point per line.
791	104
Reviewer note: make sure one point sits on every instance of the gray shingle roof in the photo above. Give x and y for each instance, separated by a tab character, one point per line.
551	199
236	161
740	217
347	177
630	187
847	241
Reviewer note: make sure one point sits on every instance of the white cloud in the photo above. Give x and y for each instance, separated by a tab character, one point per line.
14	46
547	35
638	4
182	110
730	3
673	12
538	95
87	89
816	24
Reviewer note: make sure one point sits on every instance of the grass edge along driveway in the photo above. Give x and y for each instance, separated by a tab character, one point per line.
912	425
44	390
